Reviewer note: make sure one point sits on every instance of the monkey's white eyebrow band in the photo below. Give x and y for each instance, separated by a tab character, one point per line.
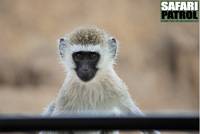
91	48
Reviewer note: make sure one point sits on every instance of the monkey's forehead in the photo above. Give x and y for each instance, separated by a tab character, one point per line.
86	36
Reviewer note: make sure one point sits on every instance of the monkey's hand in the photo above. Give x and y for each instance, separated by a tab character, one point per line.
49	109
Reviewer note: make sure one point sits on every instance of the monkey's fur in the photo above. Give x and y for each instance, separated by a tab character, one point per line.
87	36
106	93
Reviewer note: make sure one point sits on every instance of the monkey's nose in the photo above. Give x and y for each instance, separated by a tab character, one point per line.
85	74
85	70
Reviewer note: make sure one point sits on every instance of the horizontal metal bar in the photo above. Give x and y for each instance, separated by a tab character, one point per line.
75	122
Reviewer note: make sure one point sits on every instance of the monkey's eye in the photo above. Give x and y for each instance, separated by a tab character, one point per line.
93	56
78	57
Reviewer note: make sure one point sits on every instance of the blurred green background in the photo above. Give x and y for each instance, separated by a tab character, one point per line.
158	61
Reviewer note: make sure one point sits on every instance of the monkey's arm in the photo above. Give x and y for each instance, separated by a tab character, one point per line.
126	105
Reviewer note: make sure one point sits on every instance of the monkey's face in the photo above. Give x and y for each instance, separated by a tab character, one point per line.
88	53
86	64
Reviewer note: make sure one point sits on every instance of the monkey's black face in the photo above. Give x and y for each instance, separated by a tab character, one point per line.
86	63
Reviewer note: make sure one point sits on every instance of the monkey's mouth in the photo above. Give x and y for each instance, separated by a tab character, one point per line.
86	75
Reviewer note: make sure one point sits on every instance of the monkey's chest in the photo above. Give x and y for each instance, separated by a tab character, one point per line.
92	101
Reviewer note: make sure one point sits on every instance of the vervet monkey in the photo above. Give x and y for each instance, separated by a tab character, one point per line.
91	84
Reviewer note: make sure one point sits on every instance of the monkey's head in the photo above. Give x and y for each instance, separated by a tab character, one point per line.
87	52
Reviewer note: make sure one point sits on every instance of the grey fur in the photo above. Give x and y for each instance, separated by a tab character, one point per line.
85	36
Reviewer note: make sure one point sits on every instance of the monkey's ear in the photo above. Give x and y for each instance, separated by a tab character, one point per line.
113	43
62	42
